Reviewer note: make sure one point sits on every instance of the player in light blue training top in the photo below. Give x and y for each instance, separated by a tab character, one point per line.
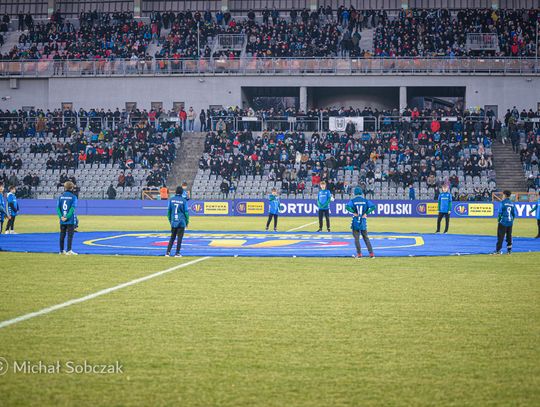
360	207
536	208
178	215
12	210
445	207
67	204
507	214
273	209
324	197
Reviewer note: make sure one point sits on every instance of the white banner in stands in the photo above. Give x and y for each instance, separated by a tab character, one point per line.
339	123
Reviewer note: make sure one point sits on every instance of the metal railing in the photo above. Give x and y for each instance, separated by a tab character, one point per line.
281	123
516	196
270	66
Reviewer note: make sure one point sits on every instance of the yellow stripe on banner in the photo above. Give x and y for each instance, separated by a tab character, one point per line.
275	243
227	243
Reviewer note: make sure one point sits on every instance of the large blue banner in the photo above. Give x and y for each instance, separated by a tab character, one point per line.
254	207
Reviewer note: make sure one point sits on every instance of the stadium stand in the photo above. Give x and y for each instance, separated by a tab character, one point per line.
130	151
440	33
396	149
386	163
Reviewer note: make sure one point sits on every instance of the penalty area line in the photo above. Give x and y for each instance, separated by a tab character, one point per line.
105	291
302	227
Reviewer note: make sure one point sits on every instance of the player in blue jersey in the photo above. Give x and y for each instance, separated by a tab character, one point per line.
324	197
445	207
536	208
360	207
178	215
507	213
67	204
273	209
12	209
3	210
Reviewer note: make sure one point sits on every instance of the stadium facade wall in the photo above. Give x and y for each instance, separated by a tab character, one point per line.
200	92
254	207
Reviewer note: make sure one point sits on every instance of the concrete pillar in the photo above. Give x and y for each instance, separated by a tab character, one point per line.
51	8
402	98
303	98
224	5
137	8
313	5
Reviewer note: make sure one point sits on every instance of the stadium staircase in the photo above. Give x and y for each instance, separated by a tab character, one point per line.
11	38
366	42
186	165
508	168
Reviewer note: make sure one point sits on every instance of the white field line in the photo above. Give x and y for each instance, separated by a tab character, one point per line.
105	291
302	227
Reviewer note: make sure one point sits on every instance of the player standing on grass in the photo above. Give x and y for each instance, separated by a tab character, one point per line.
323	203
178	215
360	207
273	209
3	211
536	208
507	213
67	204
12	209
445	207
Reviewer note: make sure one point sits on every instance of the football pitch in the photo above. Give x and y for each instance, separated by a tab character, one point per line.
254	331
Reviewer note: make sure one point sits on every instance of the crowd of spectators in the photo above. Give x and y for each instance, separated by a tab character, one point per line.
525	137
438	32
324	32
25	186
98	36
92	137
415	154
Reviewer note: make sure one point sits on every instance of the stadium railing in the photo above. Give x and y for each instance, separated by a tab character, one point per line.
282	123
516	196
74	120
270	66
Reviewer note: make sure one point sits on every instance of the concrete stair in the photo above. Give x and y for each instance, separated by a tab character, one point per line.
366	43
508	168
187	159
11	38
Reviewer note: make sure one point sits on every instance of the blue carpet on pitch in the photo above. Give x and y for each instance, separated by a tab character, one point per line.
262	244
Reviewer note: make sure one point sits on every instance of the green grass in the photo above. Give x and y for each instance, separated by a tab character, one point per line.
461	331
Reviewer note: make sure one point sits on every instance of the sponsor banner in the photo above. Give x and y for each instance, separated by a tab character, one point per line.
216	208
254	207
481	209
427	208
340	123
249	208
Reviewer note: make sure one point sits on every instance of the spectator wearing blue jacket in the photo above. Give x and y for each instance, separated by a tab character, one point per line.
412	192
273	209
445	207
536	208
507	213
